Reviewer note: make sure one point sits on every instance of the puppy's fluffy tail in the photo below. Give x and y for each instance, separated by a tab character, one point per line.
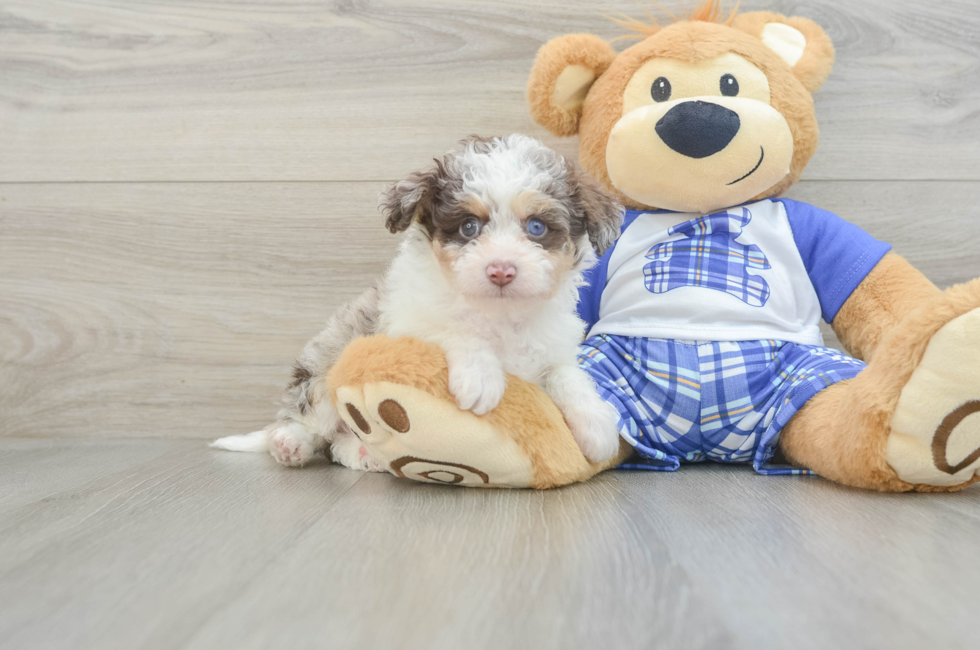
255	441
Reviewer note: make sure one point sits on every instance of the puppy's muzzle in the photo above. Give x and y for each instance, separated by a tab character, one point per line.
501	273
698	129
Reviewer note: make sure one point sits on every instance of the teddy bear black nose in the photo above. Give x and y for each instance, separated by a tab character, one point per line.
698	129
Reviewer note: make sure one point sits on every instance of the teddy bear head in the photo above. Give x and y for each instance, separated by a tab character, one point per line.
698	116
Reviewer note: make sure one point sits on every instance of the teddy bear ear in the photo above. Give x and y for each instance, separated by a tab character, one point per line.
799	42
563	72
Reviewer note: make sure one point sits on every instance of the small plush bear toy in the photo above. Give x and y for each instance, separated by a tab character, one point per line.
702	320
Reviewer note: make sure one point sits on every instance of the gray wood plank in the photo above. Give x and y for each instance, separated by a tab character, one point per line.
34	469
140	556
176	309
401	565
235	90
203	549
801	562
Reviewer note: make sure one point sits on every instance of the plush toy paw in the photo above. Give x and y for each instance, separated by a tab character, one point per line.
417	435
476	380
292	445
935	430
394	395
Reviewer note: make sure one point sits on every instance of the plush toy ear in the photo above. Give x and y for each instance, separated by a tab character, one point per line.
563	72
800	42
410	199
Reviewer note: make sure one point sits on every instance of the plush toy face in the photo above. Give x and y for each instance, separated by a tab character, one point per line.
699	116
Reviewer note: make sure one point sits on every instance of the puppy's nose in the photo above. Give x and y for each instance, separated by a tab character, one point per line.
698	129
501	273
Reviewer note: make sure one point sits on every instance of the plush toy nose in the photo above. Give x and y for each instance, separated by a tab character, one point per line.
698	129
501	273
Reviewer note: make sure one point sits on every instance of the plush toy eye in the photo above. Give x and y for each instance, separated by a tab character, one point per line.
729	85
660	90
536	227
470	228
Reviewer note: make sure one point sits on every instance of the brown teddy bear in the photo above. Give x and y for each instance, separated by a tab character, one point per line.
703	319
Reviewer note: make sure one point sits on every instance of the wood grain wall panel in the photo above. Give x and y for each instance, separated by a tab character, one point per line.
176	309
170	309
113	90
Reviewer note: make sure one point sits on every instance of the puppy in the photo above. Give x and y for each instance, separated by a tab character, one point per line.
498	233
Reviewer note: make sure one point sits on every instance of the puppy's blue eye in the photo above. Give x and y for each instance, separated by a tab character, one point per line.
536	227
470	228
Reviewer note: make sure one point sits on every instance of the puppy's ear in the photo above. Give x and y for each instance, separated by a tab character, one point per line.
410	200
563	72
800	42
603	214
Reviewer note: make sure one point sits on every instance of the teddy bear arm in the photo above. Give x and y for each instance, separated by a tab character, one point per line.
893	289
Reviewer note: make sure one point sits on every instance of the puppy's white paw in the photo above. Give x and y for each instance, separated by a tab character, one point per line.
594	429
592	421
347	450
477	384
292	445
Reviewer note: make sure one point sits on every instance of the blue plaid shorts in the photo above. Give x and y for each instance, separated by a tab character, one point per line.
690	401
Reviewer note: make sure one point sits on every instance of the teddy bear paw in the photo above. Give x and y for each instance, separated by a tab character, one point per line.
935	429
416	435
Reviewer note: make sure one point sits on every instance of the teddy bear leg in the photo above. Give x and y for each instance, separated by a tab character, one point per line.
834	435
393	395
911	419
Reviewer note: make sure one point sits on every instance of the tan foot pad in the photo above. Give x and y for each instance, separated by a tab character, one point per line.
935	437
416	435
394	394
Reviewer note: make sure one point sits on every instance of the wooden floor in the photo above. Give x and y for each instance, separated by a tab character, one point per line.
164	544
188	190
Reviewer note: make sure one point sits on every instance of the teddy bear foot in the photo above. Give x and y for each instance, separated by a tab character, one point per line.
935	430
394	395
419	436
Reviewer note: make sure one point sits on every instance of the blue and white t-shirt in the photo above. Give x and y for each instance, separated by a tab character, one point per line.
767	270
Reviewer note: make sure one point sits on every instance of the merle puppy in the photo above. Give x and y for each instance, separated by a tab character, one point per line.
498	232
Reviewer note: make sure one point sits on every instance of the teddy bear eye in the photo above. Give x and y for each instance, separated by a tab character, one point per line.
729	85
660	90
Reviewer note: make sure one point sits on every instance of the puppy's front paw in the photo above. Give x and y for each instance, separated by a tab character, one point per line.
292	445
477	384
594	429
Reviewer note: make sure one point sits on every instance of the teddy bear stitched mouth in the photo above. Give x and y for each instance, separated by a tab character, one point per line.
762	155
